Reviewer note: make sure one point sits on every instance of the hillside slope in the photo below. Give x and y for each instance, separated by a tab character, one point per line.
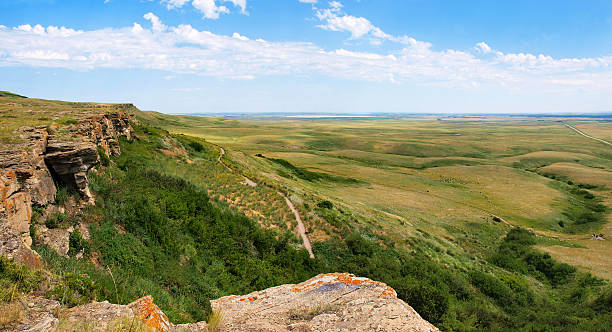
137	211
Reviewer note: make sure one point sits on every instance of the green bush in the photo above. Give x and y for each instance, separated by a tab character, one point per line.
76	243
73	289
325	205
104	159
515	254
196	146
62	195
492	287
54	220
430	302
17	278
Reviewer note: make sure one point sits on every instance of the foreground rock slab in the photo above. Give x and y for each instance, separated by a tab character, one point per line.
327	302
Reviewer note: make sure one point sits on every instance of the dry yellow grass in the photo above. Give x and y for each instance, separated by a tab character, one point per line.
120	324
553	156
580	173
215	320
11	314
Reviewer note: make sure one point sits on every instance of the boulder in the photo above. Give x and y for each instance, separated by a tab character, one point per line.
327	302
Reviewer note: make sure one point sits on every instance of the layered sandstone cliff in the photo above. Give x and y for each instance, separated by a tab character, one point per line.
44	157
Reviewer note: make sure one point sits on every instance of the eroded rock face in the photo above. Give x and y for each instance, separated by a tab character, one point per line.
24	179
28	171
328	302
70	163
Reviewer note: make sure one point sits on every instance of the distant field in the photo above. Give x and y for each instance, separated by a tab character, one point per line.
438	176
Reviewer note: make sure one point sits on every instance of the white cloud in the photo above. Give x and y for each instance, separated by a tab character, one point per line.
183	49
336	20
483	47
238	36
136	28
239	3
209	8
155	21
308	1
171	4
357	26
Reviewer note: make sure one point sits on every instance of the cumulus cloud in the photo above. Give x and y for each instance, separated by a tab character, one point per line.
155	21
239	3
334	19
483	47
170	4
209	8
186	50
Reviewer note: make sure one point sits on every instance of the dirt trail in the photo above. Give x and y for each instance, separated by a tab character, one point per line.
247	181
586	135
301	228
296	213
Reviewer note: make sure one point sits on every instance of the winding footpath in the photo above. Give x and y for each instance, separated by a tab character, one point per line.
586	135
301	229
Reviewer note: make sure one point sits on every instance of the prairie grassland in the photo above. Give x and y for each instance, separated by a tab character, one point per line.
596	256
432	175
16	112
597	129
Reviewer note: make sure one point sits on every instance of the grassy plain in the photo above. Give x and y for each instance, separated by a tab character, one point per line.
435	175
426	205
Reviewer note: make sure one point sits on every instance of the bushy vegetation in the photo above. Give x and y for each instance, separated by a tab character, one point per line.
16	279
307	175
162	235
181	248
104	159
583	210
515	254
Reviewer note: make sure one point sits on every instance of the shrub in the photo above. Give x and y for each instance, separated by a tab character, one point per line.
62	195
430	302
73	289
104	159
515	254
196	146
55	219
325	205
76	243
17	278
492	287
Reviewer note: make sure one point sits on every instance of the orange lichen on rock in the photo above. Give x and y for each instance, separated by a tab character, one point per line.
150	314
345	278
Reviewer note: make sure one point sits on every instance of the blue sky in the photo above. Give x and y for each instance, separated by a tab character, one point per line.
202	56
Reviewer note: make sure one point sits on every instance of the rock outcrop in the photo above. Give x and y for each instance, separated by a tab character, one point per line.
45	156
70	162
47	315
327	302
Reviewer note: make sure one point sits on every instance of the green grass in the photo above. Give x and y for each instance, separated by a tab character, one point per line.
422	204
10	94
